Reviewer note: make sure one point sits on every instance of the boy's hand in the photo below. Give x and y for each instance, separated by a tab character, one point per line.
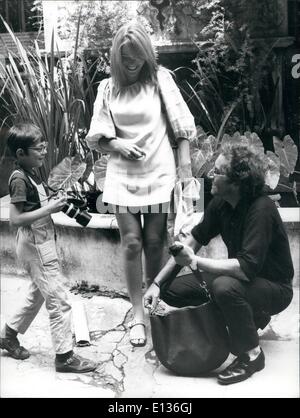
56	204
151	298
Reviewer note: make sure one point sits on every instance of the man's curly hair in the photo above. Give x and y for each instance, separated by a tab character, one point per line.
246	168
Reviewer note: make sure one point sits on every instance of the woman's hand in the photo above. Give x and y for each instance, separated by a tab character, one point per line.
128	150
151	298
186	256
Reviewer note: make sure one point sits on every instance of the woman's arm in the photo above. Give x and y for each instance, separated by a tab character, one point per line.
184	159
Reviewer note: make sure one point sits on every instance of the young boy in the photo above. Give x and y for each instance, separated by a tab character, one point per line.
30	211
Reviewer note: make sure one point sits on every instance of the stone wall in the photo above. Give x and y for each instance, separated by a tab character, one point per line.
94	254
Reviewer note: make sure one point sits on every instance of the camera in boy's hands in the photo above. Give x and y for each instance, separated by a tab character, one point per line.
74	208
56	203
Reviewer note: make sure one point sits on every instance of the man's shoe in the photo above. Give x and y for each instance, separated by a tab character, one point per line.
75	364
241	369
13	347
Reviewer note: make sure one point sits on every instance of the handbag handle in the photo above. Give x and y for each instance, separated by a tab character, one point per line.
174	251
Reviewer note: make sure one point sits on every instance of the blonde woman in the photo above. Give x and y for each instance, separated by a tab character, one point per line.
129	122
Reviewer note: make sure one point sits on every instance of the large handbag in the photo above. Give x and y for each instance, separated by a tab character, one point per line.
191	341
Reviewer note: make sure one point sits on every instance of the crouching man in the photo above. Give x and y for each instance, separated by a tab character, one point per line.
255	281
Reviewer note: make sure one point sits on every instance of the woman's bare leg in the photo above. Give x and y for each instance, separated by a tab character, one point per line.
131	240
154	233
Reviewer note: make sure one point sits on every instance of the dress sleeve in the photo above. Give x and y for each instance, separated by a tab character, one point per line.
178	113
101	123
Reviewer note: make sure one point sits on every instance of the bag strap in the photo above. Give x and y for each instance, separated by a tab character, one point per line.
170	131
202	282
20	173
30	183
175	250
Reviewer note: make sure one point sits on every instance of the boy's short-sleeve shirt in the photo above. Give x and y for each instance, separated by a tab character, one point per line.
21	192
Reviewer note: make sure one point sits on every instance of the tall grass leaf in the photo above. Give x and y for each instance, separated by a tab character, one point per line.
225	120
41	69
197	96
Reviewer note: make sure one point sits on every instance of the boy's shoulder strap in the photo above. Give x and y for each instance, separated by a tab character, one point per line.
18	173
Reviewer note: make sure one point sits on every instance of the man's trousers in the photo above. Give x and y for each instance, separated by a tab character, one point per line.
241	303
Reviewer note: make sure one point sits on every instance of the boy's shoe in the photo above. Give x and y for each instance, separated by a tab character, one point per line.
75	364
13	347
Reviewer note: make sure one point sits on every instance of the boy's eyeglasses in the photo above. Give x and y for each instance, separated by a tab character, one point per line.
40	148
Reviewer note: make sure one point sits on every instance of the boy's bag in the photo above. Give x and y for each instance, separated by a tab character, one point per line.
191	341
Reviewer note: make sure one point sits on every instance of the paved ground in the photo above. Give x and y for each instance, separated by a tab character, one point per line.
127	372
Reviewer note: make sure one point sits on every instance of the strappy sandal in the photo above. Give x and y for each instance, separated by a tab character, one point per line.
143	340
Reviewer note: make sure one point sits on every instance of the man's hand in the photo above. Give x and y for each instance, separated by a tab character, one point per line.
151	298
186	255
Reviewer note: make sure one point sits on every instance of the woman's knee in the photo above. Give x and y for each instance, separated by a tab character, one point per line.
132	245
153	243
226	287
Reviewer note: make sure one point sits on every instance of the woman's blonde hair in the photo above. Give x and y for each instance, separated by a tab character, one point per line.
139	39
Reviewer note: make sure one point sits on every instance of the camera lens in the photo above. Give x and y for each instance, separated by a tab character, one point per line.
81	216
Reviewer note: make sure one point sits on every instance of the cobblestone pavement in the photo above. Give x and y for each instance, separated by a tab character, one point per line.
128	372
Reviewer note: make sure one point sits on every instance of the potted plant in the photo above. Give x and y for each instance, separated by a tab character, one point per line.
41	88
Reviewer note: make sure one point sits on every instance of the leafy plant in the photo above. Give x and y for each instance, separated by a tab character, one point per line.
280	164
71	173
40	88
66	173
206	100
287	152
232	68
100	171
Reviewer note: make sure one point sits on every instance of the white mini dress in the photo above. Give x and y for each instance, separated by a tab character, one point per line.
138	118
135	114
